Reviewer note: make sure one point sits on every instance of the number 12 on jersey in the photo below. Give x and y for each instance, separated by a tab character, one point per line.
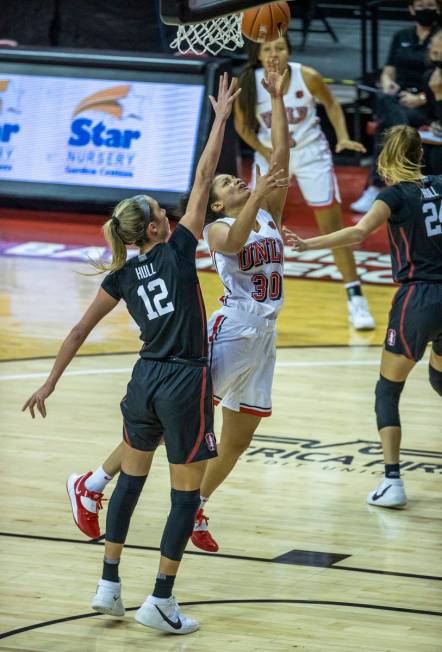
157	309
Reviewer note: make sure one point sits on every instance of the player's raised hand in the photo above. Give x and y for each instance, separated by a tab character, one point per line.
346	143
294	241
227	94
273	180
38	399
274	81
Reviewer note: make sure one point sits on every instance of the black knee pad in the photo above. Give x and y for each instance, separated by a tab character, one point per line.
180	522
435	379
388	394
121	506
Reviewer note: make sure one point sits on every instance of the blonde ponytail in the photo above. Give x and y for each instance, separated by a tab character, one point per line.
127	226
401	156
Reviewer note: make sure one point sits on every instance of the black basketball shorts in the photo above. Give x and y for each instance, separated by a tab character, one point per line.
174	401
415	320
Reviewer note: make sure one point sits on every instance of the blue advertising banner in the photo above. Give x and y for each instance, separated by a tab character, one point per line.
95	132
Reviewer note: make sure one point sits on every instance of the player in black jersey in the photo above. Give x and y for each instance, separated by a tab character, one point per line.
411	206
170	392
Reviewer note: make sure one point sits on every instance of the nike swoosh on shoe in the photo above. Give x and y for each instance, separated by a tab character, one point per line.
176	625
376	496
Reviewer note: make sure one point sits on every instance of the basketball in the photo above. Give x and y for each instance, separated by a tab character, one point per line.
267	22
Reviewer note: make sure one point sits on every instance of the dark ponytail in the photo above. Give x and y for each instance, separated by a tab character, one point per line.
247	83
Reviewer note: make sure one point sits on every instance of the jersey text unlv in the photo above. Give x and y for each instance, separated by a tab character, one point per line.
255	254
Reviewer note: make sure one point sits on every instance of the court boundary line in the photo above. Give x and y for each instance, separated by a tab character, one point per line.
310	364
102	354
335	603
220	555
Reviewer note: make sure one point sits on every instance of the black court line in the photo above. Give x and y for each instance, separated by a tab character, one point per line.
284	346
328	603
221	555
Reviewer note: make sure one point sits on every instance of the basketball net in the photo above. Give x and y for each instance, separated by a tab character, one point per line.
223	33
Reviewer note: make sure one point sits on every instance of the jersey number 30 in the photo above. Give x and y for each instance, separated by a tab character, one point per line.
157	298
267	287
433	221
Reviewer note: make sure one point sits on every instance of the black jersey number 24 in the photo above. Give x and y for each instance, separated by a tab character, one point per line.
157	293
433	219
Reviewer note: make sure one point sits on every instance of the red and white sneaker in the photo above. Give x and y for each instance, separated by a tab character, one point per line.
201	537
85	505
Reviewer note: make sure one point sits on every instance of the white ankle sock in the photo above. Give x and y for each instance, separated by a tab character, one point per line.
203	502
98	480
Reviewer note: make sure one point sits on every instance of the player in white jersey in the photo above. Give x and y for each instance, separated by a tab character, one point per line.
243	233
311	161
253	297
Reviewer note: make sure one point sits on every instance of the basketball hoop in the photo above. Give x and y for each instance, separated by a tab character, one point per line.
214	35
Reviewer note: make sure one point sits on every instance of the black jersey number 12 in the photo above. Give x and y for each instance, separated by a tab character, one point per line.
157	309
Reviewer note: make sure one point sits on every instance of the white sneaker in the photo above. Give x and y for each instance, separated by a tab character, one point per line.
107	599
165	614
359	314
389	493
365	201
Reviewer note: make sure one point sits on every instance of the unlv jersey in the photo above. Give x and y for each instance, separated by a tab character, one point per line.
253	278
304	126
415	229
163	295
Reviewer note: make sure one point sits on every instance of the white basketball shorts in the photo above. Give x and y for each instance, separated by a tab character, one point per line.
242	360
312	166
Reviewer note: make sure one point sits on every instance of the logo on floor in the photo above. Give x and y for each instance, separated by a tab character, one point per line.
356	455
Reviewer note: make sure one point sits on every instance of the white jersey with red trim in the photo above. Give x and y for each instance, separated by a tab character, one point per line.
304	125
253	278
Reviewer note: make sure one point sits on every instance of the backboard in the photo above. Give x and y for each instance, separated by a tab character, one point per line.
184	12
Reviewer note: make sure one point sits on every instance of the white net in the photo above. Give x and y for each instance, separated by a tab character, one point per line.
212	36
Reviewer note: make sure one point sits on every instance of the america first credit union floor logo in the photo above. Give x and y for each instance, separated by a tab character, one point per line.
348	455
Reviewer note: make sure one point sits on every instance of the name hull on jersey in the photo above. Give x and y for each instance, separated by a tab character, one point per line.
262	252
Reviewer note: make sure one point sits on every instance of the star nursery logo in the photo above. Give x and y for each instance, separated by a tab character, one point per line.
105	128
119	101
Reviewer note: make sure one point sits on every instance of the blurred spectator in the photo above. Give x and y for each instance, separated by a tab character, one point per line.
433	92
401	99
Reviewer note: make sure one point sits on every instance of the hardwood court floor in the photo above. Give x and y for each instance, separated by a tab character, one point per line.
354	577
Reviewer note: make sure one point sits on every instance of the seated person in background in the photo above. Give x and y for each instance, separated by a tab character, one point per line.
433	93
401	99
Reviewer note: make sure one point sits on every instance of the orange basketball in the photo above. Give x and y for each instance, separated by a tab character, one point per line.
267	22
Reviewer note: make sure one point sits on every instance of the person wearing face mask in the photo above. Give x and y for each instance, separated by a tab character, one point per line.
433	93
401	99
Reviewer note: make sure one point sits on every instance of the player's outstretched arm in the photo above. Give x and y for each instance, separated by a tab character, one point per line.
101	306
274	85
205	171
319	89
376	216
